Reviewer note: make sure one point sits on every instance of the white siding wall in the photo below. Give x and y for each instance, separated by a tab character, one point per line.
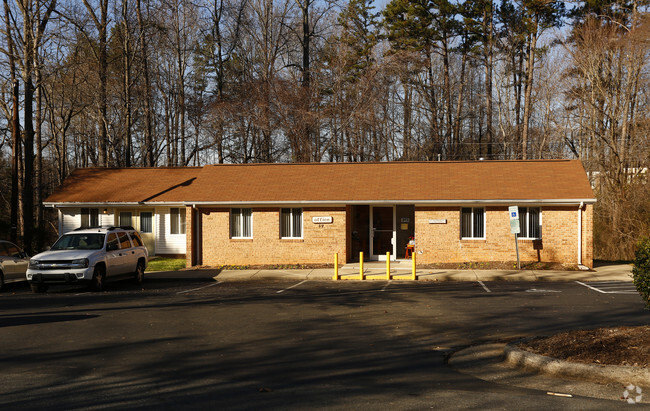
167	243
106	219
72	218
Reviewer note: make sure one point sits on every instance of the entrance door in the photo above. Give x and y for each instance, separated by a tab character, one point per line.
382	232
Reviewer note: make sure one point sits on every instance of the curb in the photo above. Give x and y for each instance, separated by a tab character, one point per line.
594	373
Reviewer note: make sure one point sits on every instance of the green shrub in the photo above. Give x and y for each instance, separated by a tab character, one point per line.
641	270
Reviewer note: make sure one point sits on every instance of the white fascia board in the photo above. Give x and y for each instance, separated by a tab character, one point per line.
337	203
340	203
112	204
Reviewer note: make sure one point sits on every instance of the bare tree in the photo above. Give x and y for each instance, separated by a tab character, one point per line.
101	25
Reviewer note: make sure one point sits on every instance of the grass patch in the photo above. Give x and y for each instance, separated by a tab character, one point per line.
166	264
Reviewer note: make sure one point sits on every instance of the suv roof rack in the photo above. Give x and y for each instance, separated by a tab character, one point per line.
106	227
120	227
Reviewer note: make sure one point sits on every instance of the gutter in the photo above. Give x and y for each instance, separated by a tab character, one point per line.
340	203
556	202
63	204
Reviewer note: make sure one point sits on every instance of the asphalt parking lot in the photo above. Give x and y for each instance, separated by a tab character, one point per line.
190	343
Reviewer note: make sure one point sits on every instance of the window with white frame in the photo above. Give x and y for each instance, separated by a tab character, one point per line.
241	223
89	217
530	222
177	221
291	223
472	223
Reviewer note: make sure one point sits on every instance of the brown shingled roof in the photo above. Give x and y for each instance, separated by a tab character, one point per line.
332	182
124	185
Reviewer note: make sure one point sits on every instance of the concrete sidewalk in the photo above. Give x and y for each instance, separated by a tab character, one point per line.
401	270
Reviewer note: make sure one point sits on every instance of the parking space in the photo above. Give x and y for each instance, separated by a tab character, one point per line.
280	287
610	287
206	286
198	342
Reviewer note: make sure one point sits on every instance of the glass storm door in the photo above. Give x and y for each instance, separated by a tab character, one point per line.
382	232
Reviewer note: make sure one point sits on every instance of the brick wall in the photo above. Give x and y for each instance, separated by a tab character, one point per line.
318	245
442	242
588	236
438	242
190	255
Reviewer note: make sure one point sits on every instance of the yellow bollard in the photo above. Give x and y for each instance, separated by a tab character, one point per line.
336	267
361	275
388	266
415	277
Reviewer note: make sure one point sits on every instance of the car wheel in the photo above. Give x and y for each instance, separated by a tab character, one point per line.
38	288
99	277
138	275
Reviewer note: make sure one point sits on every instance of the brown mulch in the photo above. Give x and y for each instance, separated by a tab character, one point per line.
501	265
261	267
493	265
611	346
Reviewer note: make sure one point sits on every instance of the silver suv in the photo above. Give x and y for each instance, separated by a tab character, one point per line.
90	255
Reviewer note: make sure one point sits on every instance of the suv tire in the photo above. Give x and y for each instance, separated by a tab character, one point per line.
138	275
99	276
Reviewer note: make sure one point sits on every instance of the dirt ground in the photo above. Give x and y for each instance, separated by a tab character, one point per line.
612	346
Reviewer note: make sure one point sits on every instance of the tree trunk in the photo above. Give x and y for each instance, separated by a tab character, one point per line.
28	112
449	126
488	26
39	148
148	133
126	60
406	133
459	107
103	80
528	91
101	24
15	128
304	139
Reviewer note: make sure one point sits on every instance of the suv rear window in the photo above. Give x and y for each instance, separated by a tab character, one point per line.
135	237
124	241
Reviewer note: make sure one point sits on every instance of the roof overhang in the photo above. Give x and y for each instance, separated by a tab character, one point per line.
547	202
114	204
334	203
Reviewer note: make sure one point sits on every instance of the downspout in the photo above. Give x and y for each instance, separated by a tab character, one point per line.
580	233
60	225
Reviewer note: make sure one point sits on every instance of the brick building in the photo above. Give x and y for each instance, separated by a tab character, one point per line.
304	213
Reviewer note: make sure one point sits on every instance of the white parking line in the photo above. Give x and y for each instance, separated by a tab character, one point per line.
610	287
200	288
487	290
593	288
386	286
295	285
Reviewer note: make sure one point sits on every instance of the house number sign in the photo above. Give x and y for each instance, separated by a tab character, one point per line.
322	220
